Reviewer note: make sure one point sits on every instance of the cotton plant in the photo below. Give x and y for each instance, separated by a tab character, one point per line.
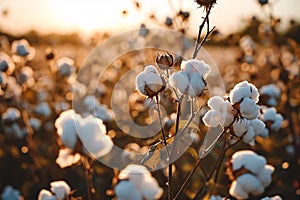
136	182
250	174
59	190
89	133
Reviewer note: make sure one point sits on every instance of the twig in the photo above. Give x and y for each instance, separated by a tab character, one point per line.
88	177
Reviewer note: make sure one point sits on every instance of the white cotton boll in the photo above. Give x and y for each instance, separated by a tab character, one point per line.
270	90
66	158
249	160
60	188
213	197
264	175
254	93
11	114
141	83
249	109
35	123
180	80
126	190
246	42
103	113
240	127
276	125
277	197
212	118
271	101
258	126
65	66
250	184
194	65
66	128
216	103
150	69
250	135
150	189
154	82
196	85
269	114
236	95
134	173
46	195
237	191
43	109
9	193
90	102
6	64
92	133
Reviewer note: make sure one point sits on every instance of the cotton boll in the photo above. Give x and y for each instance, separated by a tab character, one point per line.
215	103
150	69
272	91
11	114
236	95
65	66
134	173
180	80
250	184
264	133
249	160
61	189
91	132
249	109
6	64
258	126
212	118
154	82
43	109
277	197
46	195
196	85
268	114
126	190
250	135
276	125
264	175
150	189
35	123
9	193
194	65
237	191
66	158
66	128
240	127
213	197
141	83
228	114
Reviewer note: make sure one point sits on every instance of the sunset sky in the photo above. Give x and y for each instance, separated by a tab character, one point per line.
86	16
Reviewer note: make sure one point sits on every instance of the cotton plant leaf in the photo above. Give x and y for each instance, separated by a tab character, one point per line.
210	140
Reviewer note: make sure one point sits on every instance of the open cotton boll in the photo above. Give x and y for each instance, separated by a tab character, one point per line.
60	188
9	193
264	175
196	85
212	118
66	128
249	160
66	158
154	82
65	66
46	195
258	126
150	189
277	197
150	68
216	103
245	185
250	135
270	90
11	114
141	83
249	109
194	65
126	190
43	109
92	133
242	90
180	80
213	197
276	125
6	64
134	173
240	127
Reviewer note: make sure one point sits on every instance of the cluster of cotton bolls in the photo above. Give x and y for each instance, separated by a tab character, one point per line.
191	79
11	123
59	190
240	110
136	182
85	135
250	174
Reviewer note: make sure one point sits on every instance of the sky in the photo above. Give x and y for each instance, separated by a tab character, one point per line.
87	16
